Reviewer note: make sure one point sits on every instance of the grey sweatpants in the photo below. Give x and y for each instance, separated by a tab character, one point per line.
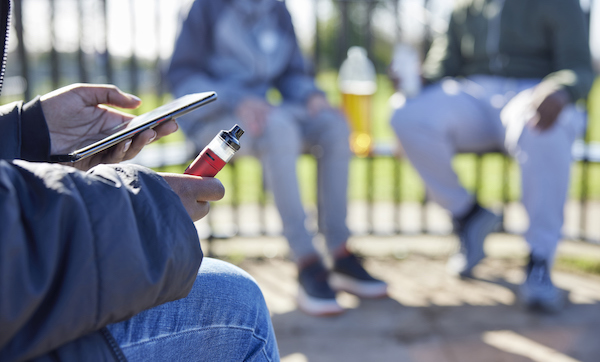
485	113
289	132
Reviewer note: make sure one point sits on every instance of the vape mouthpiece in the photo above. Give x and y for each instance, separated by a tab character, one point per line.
237	131
232	137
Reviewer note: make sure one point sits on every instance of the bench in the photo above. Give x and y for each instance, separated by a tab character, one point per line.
179	153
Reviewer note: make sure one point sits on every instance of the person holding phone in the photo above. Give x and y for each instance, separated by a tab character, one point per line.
104	263
241	49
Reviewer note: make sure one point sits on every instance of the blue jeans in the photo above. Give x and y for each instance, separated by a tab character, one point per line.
224	318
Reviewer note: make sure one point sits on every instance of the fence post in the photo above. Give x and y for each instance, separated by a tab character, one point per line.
133	63
54	57
83	74
108	68
21	51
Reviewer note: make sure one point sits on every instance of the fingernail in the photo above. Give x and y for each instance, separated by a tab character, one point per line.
127	145
135	98
152	138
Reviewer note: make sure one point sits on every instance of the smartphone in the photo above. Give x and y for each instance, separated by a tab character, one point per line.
173	109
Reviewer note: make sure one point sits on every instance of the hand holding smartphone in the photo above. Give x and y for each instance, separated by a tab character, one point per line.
171	110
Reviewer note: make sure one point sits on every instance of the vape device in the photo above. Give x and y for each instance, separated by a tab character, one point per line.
216	155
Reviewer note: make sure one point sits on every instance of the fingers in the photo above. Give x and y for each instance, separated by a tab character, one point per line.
199	210
195	192
149	136
94	94
165	129
138	142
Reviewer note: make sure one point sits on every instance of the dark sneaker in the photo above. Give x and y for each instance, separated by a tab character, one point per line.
315	296
472	231
537	292
349	276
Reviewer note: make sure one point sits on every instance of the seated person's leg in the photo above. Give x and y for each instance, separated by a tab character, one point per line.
444	119
328	133
224	318
279	149
545	160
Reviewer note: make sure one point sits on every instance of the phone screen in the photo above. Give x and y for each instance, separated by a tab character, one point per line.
173	109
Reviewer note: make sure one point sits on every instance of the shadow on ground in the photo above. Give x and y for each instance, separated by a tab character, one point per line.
431	316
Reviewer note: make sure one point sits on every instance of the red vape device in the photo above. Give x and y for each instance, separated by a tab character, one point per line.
216	155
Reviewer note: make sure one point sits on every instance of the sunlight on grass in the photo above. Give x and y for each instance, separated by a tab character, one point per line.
590	266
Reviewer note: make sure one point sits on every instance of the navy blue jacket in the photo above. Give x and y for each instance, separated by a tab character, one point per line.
79	251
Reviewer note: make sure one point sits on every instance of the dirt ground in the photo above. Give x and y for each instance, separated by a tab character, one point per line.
431	316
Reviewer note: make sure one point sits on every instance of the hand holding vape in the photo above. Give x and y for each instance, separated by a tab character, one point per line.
216	155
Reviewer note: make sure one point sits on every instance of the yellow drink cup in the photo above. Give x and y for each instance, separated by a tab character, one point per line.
357	85
358	109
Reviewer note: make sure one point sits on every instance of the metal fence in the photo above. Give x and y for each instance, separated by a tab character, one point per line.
58	42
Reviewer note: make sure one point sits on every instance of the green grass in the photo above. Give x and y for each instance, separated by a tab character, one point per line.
385	172
585	265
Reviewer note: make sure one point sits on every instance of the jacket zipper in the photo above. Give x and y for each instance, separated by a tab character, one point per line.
4	53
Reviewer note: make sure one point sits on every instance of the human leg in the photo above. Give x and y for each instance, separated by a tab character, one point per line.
444	119
437	124
224	318
279	148
327	133
545	161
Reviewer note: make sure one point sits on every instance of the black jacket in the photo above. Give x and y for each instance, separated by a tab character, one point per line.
79	251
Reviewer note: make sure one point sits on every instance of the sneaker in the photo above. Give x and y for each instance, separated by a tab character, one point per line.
348	275
538	292
472	231
315	296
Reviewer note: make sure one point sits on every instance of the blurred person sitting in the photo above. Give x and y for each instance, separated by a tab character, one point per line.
510	75
242	49
106	265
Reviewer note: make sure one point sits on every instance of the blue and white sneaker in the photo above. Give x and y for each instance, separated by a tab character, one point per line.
538	293
315	296
472	231
350	276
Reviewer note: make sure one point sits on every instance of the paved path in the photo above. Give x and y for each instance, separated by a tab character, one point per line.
429	315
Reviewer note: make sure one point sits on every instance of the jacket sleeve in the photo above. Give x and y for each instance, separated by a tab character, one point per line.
186	70
80	250
294	84
571	51
23	132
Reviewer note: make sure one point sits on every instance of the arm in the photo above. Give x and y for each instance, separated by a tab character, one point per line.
570	49
186	71
81	250
15	142
573	77
60	121
294	83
